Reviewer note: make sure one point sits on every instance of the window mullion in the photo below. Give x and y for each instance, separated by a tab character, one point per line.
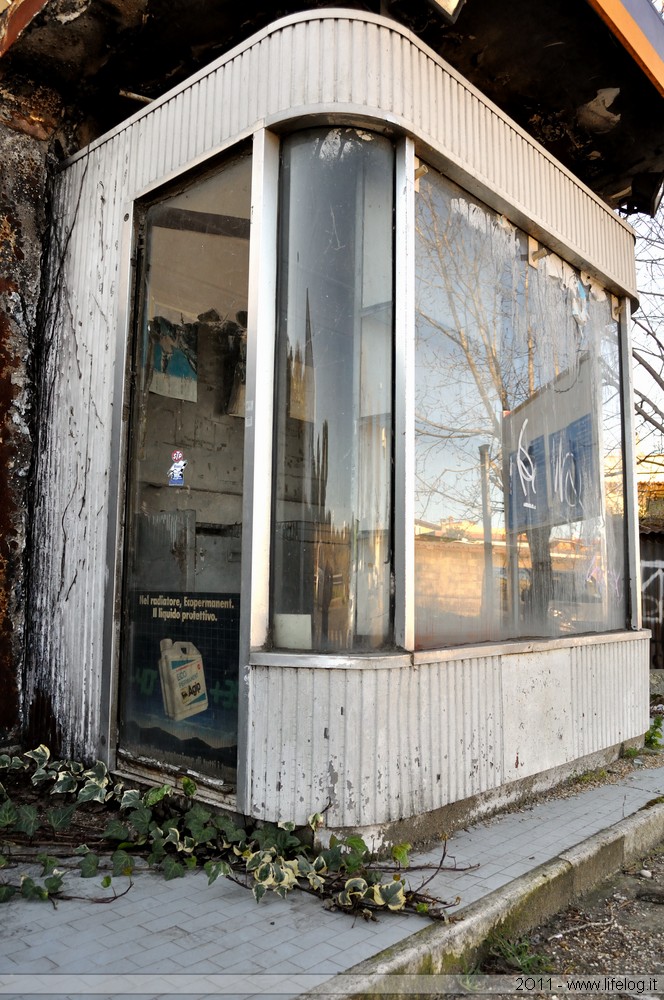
404	396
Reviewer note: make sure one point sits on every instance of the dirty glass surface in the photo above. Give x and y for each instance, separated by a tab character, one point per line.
519	471
331	529
179	674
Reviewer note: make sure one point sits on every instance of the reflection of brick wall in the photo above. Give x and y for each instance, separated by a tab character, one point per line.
448	577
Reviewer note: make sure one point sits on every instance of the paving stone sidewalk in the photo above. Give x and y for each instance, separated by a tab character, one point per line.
185	938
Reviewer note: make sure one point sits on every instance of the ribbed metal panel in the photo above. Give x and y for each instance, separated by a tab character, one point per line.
72	512
370	746
325	63
610	692
379	745
356	63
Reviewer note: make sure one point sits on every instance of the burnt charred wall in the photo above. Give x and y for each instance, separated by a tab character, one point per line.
23	170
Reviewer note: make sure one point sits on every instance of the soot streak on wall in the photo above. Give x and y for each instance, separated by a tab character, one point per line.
22	227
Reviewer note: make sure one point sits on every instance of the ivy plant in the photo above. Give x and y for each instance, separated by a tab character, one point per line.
176	834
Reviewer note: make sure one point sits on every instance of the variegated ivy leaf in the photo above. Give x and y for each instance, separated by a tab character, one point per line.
98	772
131	799
254	860
353	891
41	775
259	891
64	783
213	869
315	821
316	882
12	763
283	874
390	894
172	836
289	826
265	874
91	792
40	755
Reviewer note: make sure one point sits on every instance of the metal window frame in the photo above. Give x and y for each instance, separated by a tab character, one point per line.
404	396
633	615
258	439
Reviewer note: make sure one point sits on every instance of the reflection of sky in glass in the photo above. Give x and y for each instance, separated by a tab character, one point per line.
492	331
517	359
468	289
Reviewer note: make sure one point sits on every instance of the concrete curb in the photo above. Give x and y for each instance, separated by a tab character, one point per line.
446	949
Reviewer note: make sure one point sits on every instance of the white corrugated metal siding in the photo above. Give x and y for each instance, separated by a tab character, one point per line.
409	739
385	744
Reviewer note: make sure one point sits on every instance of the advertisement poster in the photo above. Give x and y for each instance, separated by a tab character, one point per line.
181	678
173	349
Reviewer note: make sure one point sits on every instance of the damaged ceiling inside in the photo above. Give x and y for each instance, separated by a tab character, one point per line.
73	69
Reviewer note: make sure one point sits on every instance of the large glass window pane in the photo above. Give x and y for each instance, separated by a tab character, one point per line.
519	480
331	548
179	675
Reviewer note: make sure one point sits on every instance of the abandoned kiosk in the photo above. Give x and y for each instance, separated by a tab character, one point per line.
337	507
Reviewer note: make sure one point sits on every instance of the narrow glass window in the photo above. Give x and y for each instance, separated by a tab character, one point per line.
331	544
179	675
518	446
